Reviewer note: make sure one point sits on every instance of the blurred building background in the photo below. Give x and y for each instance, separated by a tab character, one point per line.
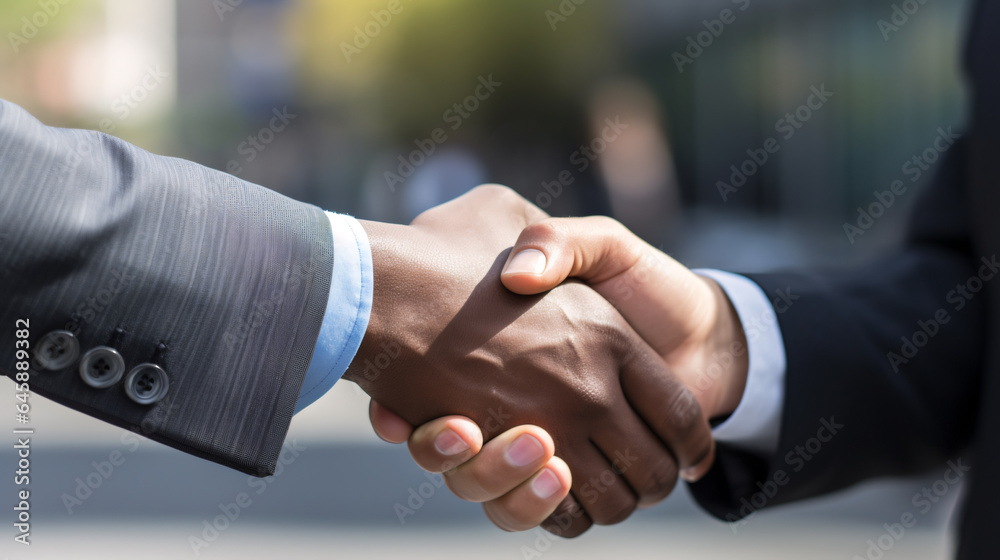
658	112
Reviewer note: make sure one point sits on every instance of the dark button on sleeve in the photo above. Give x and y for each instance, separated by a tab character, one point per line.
57	350
147	384
102	367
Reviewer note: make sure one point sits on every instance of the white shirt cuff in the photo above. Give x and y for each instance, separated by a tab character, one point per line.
755	425
347	310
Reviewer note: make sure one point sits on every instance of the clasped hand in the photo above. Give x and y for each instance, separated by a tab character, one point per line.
500	379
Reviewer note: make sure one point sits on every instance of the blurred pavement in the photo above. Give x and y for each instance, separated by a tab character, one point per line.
342	495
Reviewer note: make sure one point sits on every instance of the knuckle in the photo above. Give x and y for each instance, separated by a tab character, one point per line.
616	511
627	248
483	484
548	229
464	486
684	416
501	516
569	520
614	233
631	353
598	402
510	201
493	190
609	224
660	481
571	532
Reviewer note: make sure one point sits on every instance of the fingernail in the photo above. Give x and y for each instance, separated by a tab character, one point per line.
448	443
524	451
694	473
545	484
690	474
528	261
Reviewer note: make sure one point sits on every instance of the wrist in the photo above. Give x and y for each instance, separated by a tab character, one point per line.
387	243
727	355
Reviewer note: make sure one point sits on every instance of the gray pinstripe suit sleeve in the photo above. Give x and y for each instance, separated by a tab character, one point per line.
221	282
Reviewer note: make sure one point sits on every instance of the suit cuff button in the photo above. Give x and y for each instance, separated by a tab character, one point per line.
57	350
102	367
147	384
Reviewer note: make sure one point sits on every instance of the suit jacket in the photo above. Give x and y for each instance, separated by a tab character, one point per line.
894	368
156	294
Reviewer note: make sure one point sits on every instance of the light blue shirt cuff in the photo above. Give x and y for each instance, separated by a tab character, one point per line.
755	425
347	310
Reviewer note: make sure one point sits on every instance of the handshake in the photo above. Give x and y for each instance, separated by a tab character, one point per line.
581	341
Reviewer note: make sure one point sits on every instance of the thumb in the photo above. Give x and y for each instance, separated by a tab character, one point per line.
387	425
663	300
593	249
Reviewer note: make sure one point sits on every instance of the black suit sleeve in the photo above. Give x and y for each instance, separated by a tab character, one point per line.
219	283
883	364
